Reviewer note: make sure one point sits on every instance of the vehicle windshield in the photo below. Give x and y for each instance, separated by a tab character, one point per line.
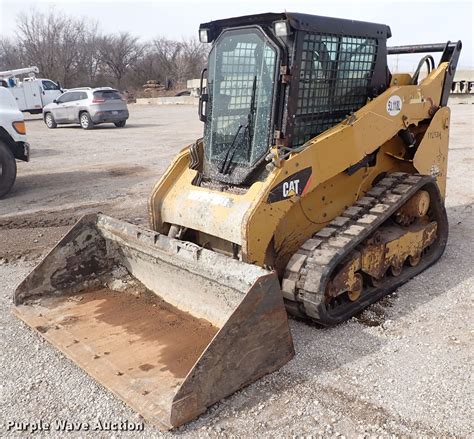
50	85
242	71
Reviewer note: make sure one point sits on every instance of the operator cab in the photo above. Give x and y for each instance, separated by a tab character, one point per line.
282	79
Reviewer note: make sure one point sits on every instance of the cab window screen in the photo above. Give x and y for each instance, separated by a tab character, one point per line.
335	74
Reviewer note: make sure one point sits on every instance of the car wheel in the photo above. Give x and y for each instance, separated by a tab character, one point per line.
120	123
49	121
7	169
86	121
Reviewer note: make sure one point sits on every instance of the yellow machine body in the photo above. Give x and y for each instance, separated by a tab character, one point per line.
269	233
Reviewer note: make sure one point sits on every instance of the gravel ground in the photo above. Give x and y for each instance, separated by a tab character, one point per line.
73	171
403	367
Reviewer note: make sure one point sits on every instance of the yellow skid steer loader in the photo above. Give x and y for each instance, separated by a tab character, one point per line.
317	188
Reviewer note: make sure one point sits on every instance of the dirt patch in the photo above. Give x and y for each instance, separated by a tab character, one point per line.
122	171
28	244
27	236
132	341
146	367
51	218
69	320
169	339
375	315
37	221
42	329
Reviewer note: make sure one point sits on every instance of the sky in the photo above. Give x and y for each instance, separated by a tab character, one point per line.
411	22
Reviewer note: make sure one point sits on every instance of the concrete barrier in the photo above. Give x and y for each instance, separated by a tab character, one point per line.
454	98
172	100
461	98
195	85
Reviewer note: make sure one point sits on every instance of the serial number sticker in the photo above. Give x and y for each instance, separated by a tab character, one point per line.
210	198
394	105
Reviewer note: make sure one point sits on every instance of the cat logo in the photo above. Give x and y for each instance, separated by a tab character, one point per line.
290	188
295	185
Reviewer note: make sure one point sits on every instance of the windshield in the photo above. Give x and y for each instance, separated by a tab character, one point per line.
240	86
50	85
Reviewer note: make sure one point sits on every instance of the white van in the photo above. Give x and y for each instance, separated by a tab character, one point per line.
31	94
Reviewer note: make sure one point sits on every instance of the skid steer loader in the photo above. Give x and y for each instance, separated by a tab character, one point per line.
318	187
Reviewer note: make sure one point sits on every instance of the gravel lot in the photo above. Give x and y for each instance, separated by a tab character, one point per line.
404	367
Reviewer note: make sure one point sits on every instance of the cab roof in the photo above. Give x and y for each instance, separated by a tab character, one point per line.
303	22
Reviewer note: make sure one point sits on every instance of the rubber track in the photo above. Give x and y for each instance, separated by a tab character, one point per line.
311	267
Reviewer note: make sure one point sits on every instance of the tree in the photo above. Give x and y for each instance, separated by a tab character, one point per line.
194	58
120	53
147	67
179	61
52	42
75	52
89	57
11	55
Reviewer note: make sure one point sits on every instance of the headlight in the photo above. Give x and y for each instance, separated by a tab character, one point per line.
204	35
281	28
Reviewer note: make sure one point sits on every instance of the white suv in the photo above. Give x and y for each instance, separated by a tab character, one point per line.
88	107
12	140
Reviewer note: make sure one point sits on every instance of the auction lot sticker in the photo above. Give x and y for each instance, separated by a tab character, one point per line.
394	105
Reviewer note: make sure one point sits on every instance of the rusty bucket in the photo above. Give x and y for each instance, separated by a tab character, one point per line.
169	327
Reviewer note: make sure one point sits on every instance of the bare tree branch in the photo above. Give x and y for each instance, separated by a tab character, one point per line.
120	53
74	51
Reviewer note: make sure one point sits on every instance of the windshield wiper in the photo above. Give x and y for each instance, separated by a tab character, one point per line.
226	164
250	116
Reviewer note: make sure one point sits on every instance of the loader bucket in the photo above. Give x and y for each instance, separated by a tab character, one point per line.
167	326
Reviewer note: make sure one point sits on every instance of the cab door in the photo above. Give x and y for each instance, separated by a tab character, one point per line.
60	109
49	91
72	107
77	104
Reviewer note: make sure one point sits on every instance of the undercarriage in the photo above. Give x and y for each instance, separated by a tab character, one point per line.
386	238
